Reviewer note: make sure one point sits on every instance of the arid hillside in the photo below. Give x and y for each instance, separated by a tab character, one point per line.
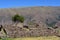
45	17
31	13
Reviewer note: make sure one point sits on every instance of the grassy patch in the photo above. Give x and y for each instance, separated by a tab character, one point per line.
36	38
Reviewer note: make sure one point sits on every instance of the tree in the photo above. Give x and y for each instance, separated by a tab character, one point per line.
18	18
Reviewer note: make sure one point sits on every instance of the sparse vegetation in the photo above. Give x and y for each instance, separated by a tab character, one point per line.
58	18
50	24
30	23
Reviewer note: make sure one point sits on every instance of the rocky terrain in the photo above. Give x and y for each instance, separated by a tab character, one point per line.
41	21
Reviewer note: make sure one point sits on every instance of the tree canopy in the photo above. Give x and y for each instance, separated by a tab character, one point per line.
18	18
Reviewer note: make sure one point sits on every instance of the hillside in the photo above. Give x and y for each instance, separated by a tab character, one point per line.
36	13
44	16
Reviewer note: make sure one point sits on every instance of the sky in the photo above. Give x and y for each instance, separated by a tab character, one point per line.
28	3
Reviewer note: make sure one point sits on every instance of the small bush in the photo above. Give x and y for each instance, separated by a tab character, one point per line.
50	24
58	17
18	18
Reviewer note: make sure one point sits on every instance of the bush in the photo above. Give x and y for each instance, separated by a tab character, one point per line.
58	17
18	18
50	24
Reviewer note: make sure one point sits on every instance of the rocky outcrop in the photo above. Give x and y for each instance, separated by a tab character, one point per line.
41	30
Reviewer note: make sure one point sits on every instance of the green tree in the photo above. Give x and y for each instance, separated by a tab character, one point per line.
18	18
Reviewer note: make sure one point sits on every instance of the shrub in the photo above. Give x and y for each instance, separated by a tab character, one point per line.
58	17
50	24
18	18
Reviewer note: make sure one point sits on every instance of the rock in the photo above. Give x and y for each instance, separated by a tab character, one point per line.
58	32
25	26
57	25
19	25
2	34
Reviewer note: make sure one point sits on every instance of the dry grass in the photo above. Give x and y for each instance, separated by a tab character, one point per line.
36	38
39	38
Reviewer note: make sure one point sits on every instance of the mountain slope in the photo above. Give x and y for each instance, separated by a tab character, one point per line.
42	16
35	13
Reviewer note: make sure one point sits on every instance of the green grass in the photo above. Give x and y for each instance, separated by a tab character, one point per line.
7	39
